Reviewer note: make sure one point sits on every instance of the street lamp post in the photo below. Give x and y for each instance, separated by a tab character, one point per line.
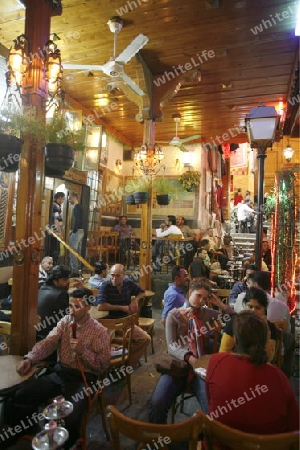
261	124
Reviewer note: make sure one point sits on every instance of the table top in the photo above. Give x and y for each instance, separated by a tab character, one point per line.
10	379
8	312
149	293
96	314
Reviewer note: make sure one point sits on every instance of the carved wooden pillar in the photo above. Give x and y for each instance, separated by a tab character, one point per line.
29	196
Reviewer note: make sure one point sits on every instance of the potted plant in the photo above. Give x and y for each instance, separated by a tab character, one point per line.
14	125
142	196
165	189
190	180
61	144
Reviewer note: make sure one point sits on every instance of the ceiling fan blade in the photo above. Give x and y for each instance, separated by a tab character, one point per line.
82	67
132	48
131	95
182	148
130	83
191	138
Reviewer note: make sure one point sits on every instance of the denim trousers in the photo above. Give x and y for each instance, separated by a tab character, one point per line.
76	243
167	390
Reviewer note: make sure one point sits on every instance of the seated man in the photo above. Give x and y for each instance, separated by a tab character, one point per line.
99	276
44	269
115	296
266	254
166	229
84	352
241	286
125	233
211	238
53	300
199	267
190	247
174	296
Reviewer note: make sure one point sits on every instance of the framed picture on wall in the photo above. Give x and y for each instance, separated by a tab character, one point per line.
111	200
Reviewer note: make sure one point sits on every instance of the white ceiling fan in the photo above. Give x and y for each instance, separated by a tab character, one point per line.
114	68
176	141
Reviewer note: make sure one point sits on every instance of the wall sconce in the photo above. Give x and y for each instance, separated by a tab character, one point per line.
53	68
17	61
187	159
177	164
118	165
288	152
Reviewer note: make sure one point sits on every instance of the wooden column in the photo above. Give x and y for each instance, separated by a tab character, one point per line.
146	243
29	195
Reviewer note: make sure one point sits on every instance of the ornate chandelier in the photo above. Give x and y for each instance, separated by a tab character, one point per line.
148	159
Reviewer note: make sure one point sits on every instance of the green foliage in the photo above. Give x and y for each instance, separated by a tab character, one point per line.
19	123
269	205
58	132
163	185
190	179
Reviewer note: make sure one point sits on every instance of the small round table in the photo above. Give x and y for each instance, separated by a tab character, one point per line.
10	379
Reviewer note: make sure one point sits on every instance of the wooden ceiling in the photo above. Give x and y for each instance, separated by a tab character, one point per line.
245	66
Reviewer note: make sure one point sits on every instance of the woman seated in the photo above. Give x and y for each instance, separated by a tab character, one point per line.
186	329
256	300
244	391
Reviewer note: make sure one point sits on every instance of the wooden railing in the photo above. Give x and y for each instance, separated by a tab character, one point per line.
71	250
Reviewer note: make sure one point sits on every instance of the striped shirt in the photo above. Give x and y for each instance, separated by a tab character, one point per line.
93	340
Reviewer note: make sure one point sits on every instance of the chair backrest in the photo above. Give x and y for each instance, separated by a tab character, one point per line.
214	430
149	433
5	332
120	332
174	237
223	294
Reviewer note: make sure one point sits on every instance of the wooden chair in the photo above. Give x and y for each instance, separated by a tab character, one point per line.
146	324
236	440
95	401
148	433
120	332
92	247
5	332
281	327
223	294
108	245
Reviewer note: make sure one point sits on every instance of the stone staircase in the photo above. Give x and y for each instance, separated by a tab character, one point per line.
245	242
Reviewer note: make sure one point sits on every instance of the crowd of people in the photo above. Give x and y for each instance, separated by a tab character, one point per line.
246	345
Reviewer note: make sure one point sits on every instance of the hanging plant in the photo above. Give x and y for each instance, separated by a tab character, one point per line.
190	180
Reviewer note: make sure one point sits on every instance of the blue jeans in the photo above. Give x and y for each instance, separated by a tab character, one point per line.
76	243
167	390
